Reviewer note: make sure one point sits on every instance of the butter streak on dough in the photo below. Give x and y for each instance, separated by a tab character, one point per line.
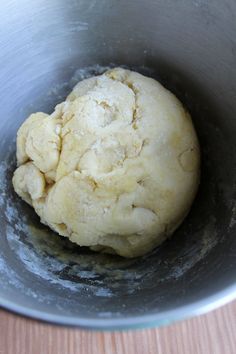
115	167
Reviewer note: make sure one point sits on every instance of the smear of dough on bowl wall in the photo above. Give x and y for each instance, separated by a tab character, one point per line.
115	167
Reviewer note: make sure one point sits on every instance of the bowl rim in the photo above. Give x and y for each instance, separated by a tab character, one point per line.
163	318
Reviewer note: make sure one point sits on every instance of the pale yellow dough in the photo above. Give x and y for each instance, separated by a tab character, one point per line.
115	167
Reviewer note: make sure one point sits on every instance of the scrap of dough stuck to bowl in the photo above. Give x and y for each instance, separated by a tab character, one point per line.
115	167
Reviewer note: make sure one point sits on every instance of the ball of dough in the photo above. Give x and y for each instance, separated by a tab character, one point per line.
115	167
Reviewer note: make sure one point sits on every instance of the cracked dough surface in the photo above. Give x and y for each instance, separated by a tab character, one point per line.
115	167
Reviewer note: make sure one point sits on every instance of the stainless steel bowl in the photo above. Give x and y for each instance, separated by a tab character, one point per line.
190	47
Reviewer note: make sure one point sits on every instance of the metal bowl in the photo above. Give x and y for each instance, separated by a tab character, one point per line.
45	47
